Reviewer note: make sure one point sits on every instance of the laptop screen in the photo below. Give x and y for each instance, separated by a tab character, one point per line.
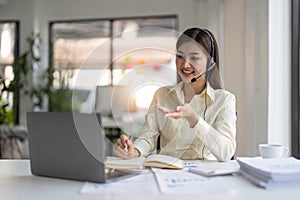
67	145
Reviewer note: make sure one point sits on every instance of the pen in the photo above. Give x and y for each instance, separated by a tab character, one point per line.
129	138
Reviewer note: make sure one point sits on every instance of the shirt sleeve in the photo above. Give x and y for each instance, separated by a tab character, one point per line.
220	137
146	143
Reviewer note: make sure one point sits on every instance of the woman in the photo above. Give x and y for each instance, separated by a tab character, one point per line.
195	119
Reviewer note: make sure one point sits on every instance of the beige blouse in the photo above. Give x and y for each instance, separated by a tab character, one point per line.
213	138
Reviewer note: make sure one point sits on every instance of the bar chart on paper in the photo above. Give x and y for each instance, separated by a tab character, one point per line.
181	182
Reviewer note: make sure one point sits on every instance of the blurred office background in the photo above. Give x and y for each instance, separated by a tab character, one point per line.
110	56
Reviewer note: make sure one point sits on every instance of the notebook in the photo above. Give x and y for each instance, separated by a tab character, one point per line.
70	146
139	163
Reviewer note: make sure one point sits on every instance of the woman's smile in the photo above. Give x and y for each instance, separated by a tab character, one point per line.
187	72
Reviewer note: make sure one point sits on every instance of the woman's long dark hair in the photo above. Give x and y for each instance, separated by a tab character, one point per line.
204	38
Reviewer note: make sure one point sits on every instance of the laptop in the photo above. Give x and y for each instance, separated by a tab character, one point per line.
70	146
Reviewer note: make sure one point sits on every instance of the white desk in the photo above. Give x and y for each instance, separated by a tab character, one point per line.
16	182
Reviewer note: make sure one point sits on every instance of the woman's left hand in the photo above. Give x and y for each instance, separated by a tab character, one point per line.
184	111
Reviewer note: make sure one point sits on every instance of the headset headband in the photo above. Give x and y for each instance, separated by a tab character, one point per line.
212	42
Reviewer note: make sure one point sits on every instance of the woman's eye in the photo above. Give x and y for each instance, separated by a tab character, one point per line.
194	58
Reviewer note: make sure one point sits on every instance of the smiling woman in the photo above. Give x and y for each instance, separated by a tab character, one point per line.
195	119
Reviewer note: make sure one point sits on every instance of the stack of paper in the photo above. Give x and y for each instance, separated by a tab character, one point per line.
270	173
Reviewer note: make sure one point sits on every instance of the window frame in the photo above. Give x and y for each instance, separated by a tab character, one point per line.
111	20
16	93
295	84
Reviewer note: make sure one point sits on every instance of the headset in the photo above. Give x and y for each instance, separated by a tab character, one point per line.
211	63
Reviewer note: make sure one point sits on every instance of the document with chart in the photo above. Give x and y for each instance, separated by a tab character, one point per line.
182	182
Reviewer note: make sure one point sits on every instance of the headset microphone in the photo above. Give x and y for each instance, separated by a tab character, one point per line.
193	80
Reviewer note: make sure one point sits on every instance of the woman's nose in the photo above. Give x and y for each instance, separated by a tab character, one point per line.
186	64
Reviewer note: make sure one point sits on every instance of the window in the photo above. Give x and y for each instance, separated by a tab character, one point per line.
113	53
9	100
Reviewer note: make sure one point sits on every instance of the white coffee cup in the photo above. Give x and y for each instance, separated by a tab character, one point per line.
273	150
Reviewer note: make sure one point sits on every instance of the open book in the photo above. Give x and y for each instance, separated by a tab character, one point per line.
155	160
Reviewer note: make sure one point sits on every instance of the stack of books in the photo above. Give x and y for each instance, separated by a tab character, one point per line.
271	173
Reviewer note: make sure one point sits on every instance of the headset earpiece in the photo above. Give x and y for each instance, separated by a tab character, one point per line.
211	63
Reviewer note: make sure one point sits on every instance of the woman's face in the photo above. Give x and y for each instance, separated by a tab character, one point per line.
191	61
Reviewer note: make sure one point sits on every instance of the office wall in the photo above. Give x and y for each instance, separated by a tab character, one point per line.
241	27
246	58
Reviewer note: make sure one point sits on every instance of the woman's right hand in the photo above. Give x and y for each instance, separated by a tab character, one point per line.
124	148
184	111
